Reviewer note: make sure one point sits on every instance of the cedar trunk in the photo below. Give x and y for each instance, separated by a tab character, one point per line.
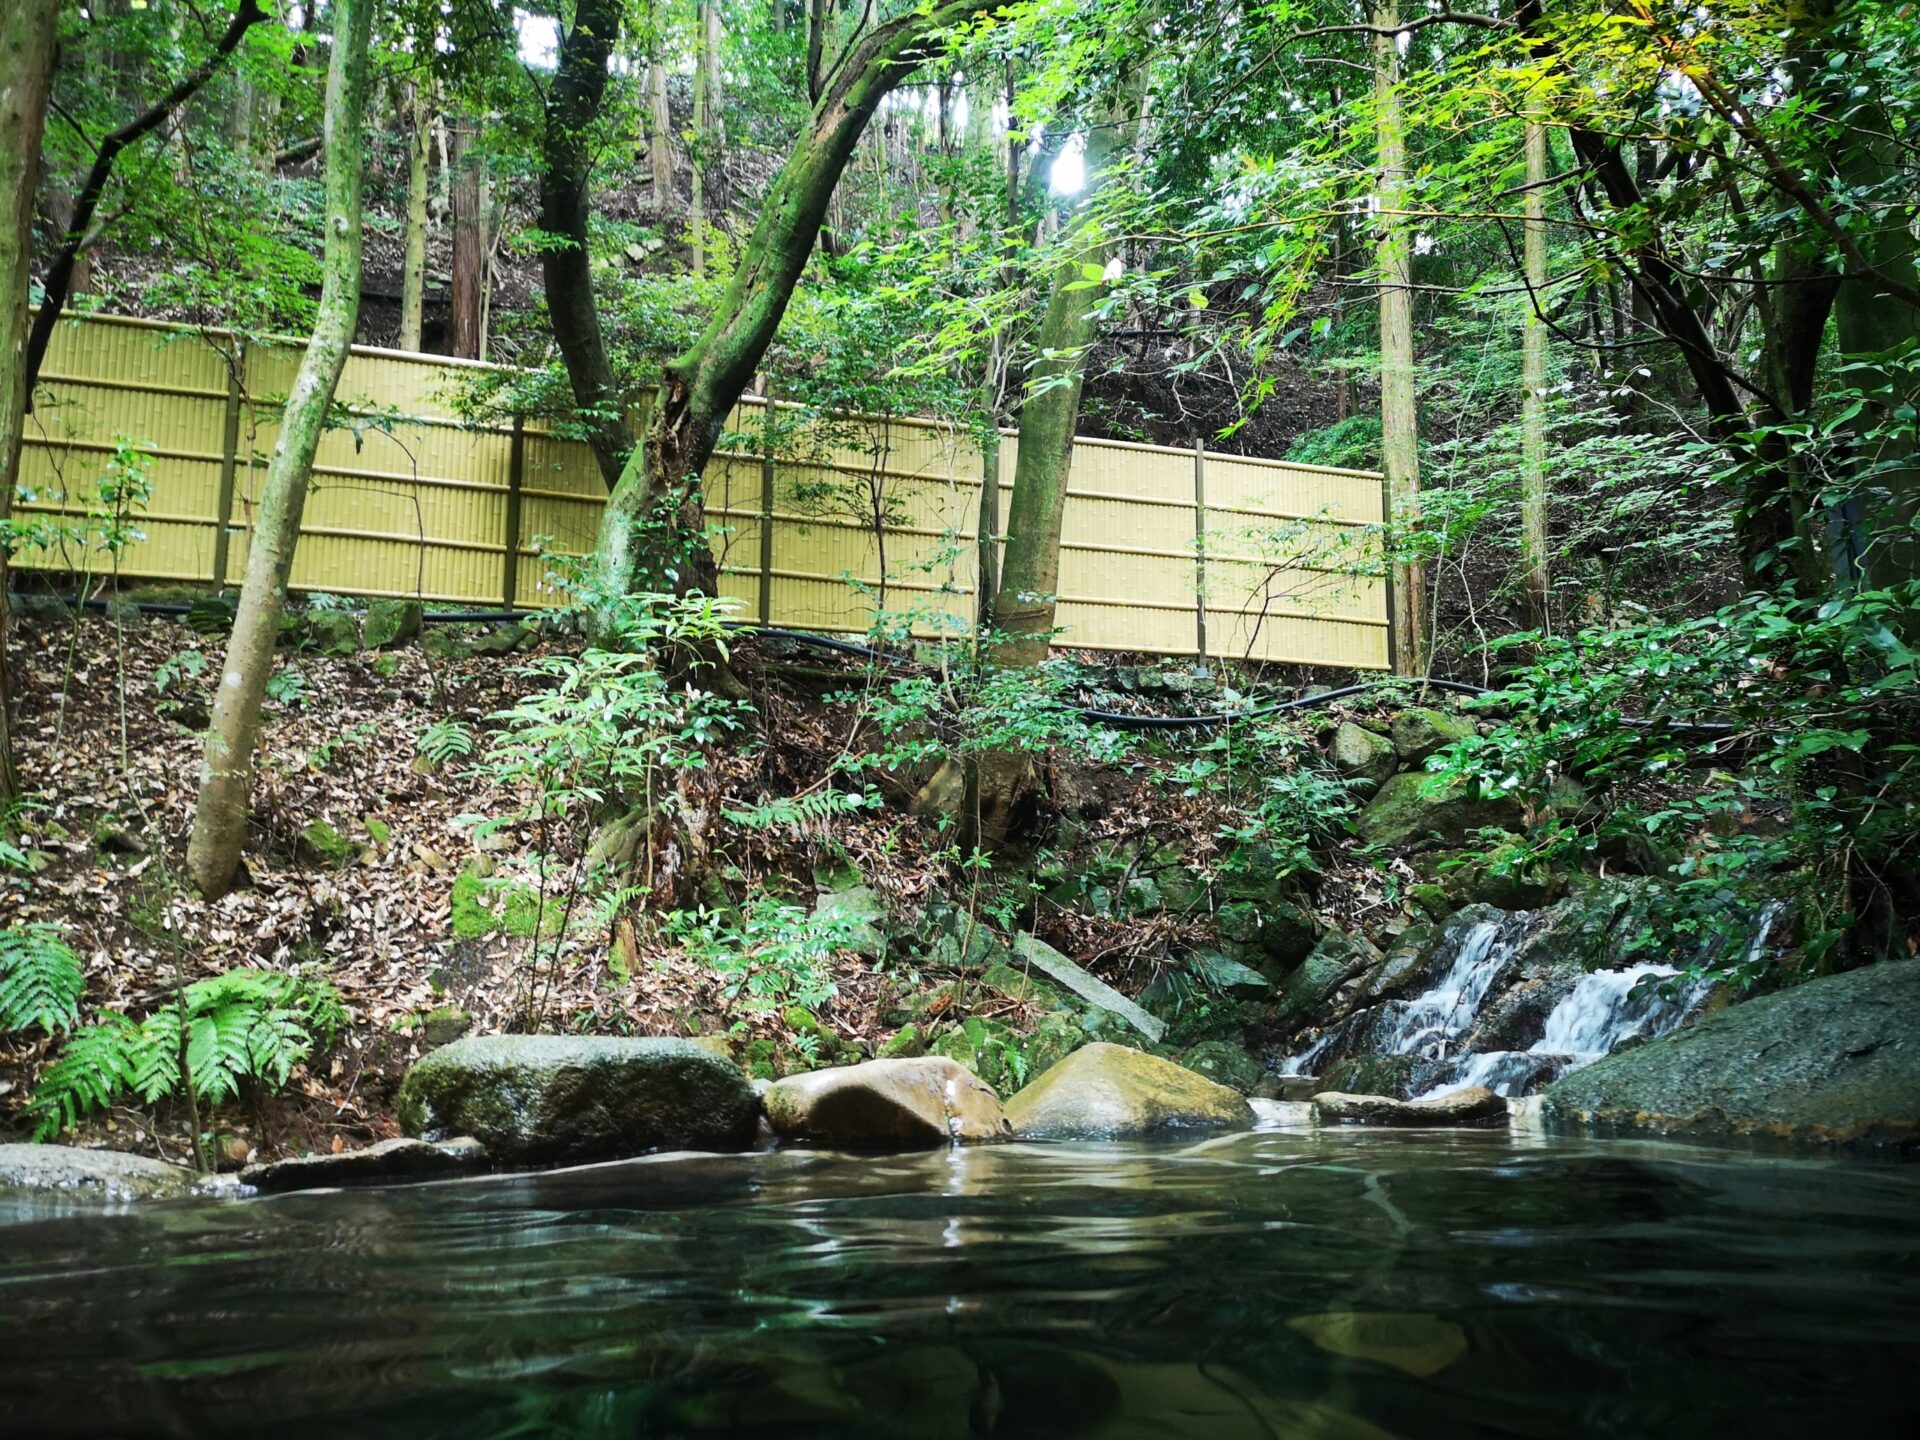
226	779
413	267
28	32
1399	416
1535	573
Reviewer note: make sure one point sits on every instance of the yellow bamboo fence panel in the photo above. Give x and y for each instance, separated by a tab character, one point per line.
816	527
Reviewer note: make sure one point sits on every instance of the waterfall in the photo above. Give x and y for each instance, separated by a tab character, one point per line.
1604	1011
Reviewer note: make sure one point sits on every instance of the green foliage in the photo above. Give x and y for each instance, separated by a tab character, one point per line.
41	980
802	813
1821	699
243	1027
445	741
288	686
178	669
771	954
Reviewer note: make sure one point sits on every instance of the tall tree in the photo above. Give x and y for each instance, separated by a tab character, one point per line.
467	292
417	101
1030	571
29	30
1535	573
226	779
653	530
572	106
1399	413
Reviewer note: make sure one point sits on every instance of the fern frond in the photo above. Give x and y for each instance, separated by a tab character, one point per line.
92	1068
41	980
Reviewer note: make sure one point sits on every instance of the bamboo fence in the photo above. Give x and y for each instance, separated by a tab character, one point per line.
817	526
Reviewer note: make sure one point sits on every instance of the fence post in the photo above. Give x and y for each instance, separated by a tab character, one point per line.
766	510
229	459
516	474
1200	543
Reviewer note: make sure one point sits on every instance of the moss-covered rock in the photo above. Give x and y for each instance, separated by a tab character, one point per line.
1421	731
1109	1092
906	1043
1833	1063
1334	961
886	1105
1225	1063
1228	976
534	1099
389	1162
331	632
1366	760
1370	1075
1475	1105
444	1024
391	623
1415	805
488	905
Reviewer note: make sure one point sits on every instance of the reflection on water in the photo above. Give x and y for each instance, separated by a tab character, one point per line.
1338	1286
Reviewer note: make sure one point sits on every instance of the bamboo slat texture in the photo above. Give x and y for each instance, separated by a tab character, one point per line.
1164	551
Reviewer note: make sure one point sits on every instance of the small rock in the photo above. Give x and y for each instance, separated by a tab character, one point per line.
1108	1092
503	640
1369	1075
1218	972
1334	961
444	1025
95	1174
886	1105
1042	956
1413	805
1473	1106
906	1043
863	914
388	1162
322	845
1225	1064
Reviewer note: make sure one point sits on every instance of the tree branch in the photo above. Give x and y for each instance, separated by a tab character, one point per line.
60	273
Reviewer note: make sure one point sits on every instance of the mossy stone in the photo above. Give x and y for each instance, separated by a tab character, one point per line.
1225	1063
444	1025
482	905
1421	731
391	622
321	844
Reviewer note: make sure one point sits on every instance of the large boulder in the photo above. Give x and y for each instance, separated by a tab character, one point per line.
1391	1075
1475	1105
886	1105
536	1099
1420	732
1415	805
1366	760
1108	1092
95	1174
1833	1063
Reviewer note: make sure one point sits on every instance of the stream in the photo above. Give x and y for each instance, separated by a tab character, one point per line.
1292	1282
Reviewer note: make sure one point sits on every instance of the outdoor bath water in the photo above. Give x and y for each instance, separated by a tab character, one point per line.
1288	1282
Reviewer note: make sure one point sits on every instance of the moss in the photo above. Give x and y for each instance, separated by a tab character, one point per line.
486	906
321	844
378	831
391	622
386	666
905	1043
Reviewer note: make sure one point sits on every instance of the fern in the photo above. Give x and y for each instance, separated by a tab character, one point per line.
445	741
801	812
41	980
247	1026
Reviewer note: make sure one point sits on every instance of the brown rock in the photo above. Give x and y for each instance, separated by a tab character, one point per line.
886	1105
1475	1105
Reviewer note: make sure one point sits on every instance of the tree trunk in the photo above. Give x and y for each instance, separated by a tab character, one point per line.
653	531
220	818
467	292
660	139
1535	573
706	130
1399	415
29	30
413	268
1027	604
573	105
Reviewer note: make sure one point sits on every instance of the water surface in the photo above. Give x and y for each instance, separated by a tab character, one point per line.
1338	1286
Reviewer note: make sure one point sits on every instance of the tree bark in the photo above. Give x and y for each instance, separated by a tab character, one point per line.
1025	610
29	31
1536	575
467	293
226	779
1399	415
653	531
660	139
573	104
413	267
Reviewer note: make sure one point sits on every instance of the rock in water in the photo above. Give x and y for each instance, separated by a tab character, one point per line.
1473	1106
1108	1092
1833	1063
887	1105
96	1174
387	1163
544	1099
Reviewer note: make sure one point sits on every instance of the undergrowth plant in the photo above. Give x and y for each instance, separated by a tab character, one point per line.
41	980
769	955
218	1035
